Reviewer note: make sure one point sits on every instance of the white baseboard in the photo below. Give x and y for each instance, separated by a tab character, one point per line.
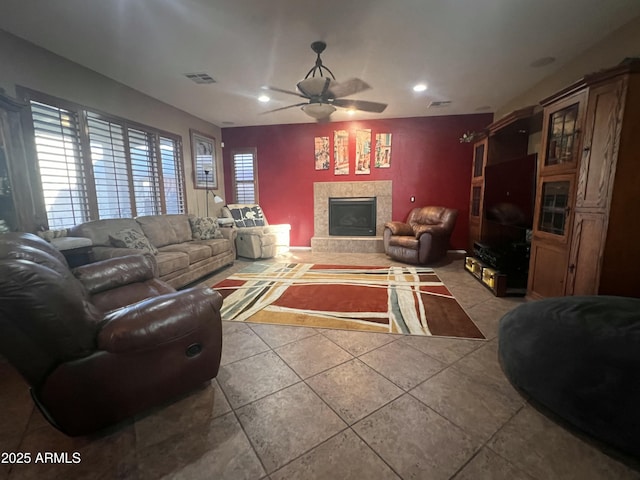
300	248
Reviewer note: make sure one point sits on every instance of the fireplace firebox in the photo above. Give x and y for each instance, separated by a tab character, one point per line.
352	216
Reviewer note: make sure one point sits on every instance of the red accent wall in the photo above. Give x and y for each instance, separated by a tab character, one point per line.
427	161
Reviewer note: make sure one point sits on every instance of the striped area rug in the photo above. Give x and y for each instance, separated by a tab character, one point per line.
406	300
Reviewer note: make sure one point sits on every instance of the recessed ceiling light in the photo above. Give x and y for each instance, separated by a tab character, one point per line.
421	87
351	111
263	98
542	62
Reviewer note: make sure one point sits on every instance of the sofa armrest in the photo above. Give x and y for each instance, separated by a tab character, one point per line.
435	230
399	228
230	233
160	320
115	272
278	228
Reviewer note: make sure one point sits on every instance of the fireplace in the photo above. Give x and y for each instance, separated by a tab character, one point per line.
352	216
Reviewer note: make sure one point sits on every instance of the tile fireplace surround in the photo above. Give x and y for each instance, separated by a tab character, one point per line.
323	242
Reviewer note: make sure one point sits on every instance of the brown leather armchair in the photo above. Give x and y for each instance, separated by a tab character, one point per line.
105	341
424	238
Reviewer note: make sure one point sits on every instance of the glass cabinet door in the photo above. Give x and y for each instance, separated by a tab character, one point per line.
554	207
478	160
562	129
562	133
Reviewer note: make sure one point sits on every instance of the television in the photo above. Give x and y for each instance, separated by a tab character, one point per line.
509	197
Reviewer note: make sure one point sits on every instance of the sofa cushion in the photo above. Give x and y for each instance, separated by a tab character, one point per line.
195	251
216	245
164	230
131	238
247	215
204	228
169	262
99	230
404	241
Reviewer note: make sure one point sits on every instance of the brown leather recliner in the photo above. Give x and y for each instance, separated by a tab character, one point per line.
105	341
424	238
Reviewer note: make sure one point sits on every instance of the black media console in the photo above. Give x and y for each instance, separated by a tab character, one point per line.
504	270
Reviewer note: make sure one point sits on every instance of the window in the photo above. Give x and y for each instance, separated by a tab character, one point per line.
245	182
62	173
94	166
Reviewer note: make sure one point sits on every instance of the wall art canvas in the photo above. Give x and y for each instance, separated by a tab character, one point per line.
341	152
322	154
383	150
203	154
363	152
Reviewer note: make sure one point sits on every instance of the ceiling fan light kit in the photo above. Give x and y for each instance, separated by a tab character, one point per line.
318	111
324	93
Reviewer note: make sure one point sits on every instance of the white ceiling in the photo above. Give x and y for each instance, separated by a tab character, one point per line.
475	53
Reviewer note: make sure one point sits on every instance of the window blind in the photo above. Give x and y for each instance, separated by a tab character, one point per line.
62	173
93	165
110	170
244	177
172	175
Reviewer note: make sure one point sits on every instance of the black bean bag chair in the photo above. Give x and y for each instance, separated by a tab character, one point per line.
580	358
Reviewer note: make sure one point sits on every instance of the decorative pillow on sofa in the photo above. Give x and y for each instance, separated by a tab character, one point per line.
248	216
130	238
204	228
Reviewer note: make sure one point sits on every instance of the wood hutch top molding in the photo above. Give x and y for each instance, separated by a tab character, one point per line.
628	65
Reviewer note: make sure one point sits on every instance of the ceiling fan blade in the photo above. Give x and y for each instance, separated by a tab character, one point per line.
282	90
284	108
363	105
346	88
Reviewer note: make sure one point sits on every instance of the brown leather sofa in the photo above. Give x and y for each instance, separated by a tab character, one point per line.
424	238
105	341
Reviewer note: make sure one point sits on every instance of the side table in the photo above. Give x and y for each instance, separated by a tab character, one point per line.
77	250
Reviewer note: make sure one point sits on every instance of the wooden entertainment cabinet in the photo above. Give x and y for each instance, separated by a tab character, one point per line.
587	199
586	227
505	140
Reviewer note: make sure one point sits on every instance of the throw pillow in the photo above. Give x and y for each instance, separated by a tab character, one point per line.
248	216
204	228
130	238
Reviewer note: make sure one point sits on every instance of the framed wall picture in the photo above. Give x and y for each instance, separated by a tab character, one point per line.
203	153
341	152
363	152
322	155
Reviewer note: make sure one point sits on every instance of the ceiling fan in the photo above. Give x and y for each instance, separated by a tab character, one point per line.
324	93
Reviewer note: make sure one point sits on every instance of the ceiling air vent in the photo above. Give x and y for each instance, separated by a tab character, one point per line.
200	77
441	103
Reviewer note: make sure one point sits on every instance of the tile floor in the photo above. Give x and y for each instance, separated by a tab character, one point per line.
303	403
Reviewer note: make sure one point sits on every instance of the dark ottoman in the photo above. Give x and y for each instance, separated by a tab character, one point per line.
580	358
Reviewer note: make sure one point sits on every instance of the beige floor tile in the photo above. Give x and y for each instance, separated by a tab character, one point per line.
344	387
446	350
358	343
220	403
487	465
476	407
255	377
313	355
343	457
241	344
278	335
110	454
543	449
287	424
402	364
215	449
173	419
415	441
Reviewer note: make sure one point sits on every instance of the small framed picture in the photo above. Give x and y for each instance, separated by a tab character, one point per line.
203	153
